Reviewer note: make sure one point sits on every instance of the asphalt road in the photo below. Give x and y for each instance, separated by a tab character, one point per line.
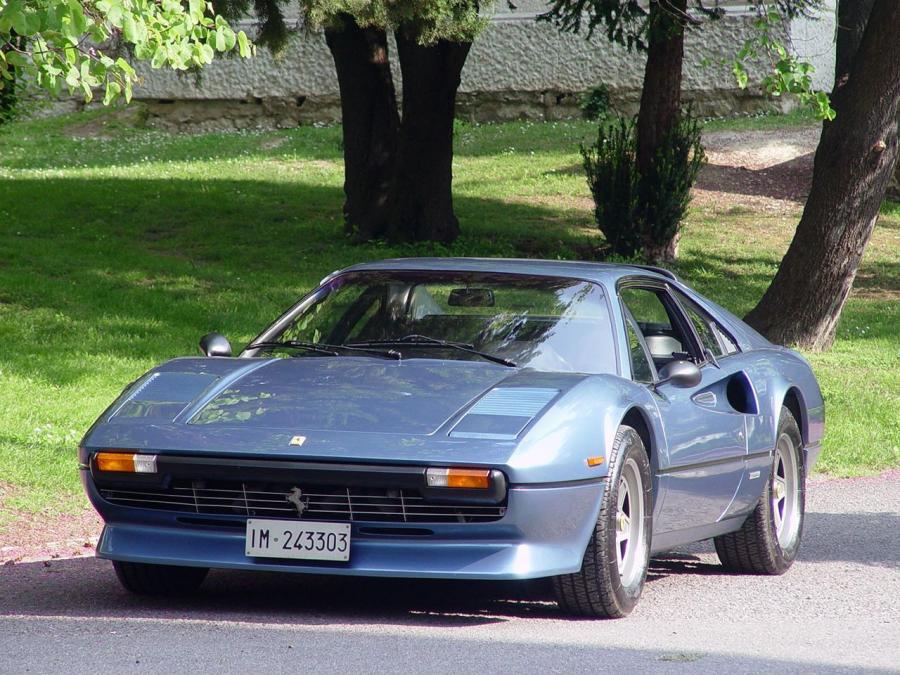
838	609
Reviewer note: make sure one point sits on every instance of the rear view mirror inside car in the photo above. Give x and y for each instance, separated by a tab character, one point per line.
471	297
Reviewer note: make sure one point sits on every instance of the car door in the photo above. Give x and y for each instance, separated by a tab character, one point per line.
706	442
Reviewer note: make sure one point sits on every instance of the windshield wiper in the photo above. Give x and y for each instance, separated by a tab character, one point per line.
427	341
322	348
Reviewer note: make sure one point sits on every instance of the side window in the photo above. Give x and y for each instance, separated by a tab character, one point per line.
712	335
657	323
702	326
729	344
640	364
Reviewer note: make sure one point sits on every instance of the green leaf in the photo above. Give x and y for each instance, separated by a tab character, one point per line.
72	77
196	9
129	29
125	67
76	12
19	22
159	57
33	21
113	89
230	39
115	15
243	44
16	59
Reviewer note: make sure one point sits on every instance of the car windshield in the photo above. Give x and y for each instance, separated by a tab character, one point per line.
544	323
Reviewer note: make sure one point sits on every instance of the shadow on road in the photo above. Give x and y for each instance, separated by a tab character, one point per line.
86	587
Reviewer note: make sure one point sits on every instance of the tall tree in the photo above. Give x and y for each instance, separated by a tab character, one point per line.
855	159
422	204
659	29
371	124
398	166
660	107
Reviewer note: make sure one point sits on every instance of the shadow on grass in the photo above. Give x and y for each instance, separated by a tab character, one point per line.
93	269
738	281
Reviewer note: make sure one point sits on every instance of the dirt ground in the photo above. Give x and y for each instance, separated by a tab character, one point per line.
43	536
767	171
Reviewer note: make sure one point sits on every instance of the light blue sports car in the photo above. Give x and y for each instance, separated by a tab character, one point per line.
465	419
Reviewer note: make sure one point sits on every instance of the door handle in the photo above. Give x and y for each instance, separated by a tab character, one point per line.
705	398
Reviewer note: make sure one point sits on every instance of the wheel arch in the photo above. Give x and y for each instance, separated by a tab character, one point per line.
636	418
793	401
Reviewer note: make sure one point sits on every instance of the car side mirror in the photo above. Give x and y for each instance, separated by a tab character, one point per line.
682	374
215	344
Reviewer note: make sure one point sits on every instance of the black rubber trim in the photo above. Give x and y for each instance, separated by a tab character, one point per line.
712	462
557	484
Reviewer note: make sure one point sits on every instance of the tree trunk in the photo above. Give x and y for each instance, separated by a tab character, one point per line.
422	208
852	16
660	104
855	159
370	126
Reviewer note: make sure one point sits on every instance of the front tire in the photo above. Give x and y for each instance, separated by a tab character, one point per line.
614	566
769	540
168	580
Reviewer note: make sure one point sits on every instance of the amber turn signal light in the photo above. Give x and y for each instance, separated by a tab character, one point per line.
597	460
470	479
125	462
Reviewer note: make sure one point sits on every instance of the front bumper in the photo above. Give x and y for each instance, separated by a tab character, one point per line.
543	533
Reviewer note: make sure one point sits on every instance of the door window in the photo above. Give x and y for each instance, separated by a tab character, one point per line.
659	324
641	371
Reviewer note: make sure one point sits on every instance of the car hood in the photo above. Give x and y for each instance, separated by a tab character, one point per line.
309	394
359	407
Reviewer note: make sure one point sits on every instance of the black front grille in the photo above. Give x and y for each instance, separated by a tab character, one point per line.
356	504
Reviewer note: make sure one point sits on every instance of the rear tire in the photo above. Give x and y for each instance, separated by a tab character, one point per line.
769	540
614	566
144	579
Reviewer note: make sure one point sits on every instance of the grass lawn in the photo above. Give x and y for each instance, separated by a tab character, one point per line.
120	247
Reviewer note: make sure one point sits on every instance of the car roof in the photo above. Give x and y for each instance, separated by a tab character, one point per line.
588	271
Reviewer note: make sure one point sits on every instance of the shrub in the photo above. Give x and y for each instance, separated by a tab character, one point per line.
666	191
612	176
595	103
642	214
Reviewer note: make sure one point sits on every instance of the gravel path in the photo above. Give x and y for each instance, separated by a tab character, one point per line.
837	610
766	172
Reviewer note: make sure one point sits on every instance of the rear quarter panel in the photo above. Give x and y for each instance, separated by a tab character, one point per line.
776	371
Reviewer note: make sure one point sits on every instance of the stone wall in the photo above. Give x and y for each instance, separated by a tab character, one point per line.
518	68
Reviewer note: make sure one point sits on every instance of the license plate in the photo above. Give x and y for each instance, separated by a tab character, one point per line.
298	540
